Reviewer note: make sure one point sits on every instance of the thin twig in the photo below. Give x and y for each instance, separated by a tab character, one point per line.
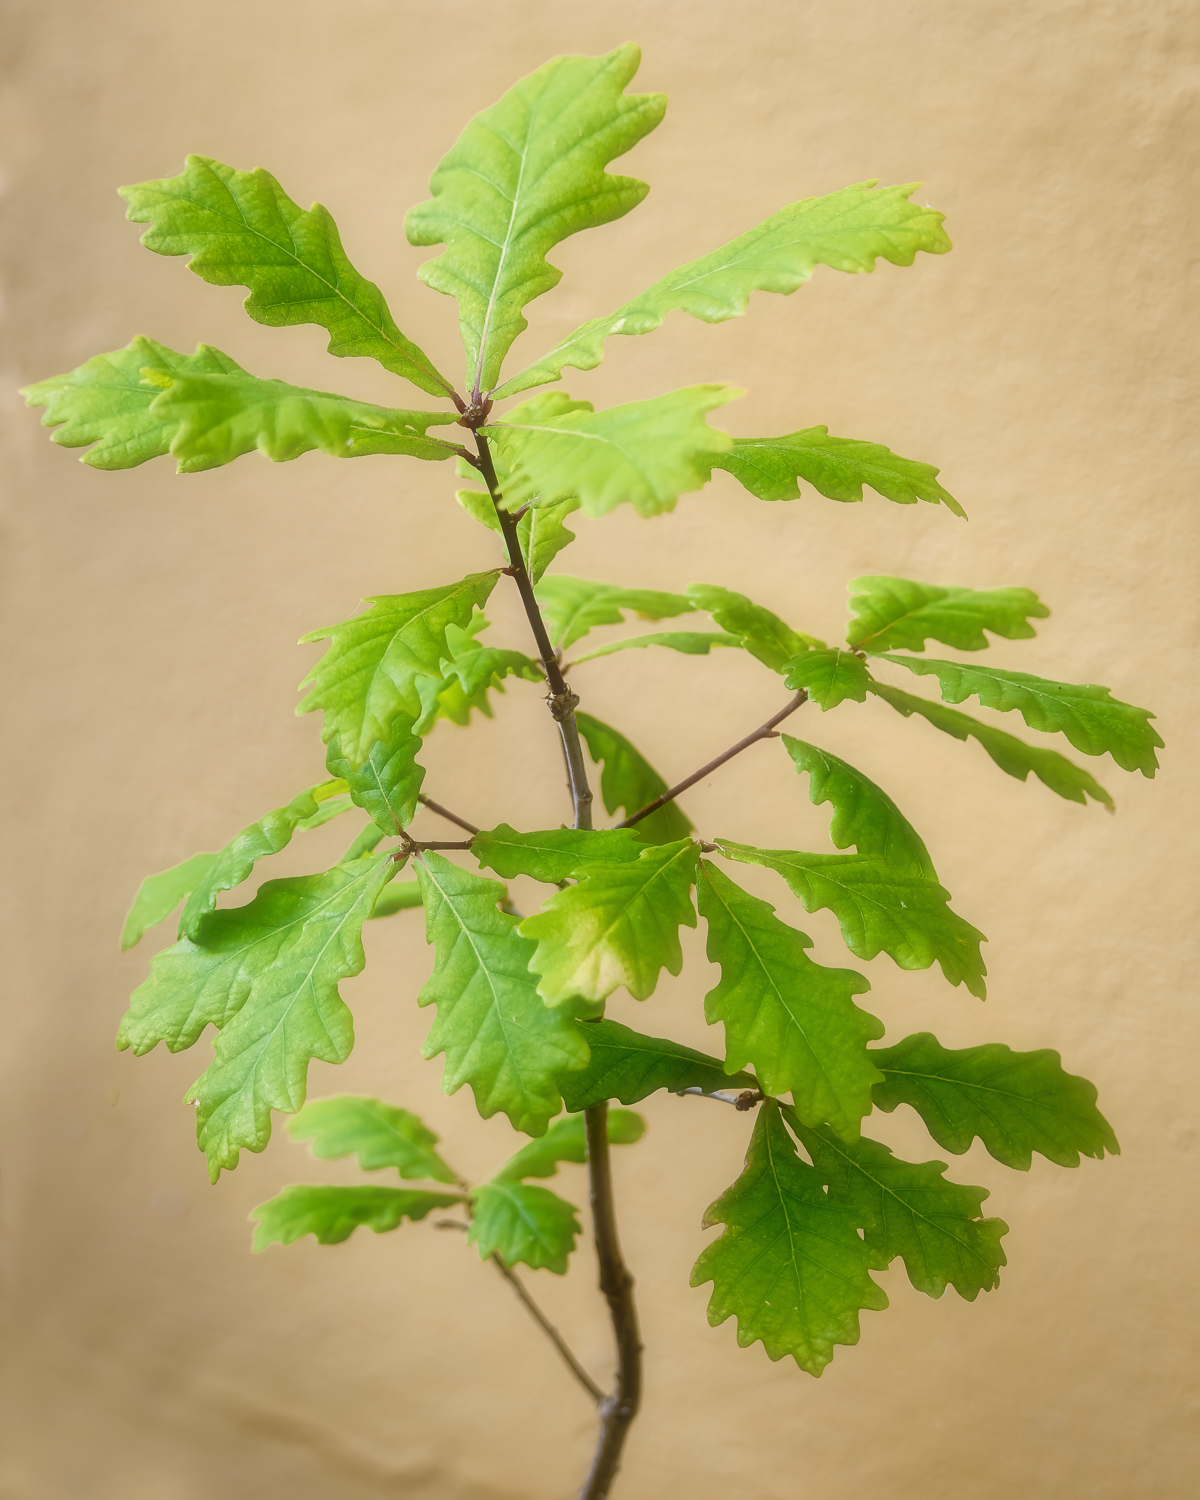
548	1328
763	732
444	812
747	1099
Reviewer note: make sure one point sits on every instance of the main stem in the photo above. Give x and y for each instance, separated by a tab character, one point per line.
617	1410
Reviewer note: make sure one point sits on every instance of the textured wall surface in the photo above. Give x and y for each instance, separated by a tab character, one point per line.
1046	366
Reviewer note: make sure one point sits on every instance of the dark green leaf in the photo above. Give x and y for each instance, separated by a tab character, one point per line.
1015	1102
573	606
790	1019
829	677
628	782
554	854
334	1213
899	612
159	895
523	1224
566	1140
790	1265
762	633
380	1135
628	1066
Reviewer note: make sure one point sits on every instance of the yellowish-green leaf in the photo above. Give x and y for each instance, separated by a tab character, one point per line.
566	1140
829	677
540	530
387	782
689	642
332	1214
380	1135
900	612
552	854
762	633
573	606
159	895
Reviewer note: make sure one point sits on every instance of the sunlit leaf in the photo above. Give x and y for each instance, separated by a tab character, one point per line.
387	782
332	1214
899	612
523	1224
540	530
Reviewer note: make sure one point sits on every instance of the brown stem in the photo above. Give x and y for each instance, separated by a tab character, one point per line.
548	1328
618	1410
763	732
444	812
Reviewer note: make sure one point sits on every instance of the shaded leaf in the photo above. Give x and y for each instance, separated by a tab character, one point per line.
848	230
523	1224
690	642
792	1020
762	633
628	782
628	1066
497	1034
159	895
790	1265
401	895
829	677
378	1134
1015	1102
573	606
566	1140
618	926
334	1213
1012	755
554	854
241	229
899	612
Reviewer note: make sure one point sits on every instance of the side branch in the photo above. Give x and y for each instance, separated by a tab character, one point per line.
444	812
548	1328
763	732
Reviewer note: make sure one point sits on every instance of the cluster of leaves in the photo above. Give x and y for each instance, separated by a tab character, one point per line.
520	1001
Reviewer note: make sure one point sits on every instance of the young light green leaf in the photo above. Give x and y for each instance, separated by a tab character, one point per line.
373	667
645	452
554	854
479	668
790	1265
618	926
241	229
848	230
401	895
566	1140
573	606
380	1135
524	175
879	909
899	612
790	1019
628	1066
837	468
628	782
1015	1102
690	642
829	677
497	1034
540	530
762	633
863	814
523	1224
387	782
159	895
936	1227
334	1213
1012	755
1092	720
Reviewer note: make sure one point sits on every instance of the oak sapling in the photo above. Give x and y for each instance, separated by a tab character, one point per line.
519	1001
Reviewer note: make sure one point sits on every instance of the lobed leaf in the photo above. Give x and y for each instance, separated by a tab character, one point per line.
628	782
554	854
1092	720
524	175
573	606
863	814
837	468
936	1227
401	895
848	230
762	633
378	1134
523	1224
690	642
242	229
1012	755
618	926
645	452
829	677
790	1019
879	909
332	1214
566	1140
1015	1102
389	779
899	612
492	1025
628	1066
159	895
540	530
790	1265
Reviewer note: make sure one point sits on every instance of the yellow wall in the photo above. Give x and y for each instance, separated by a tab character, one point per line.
1045	366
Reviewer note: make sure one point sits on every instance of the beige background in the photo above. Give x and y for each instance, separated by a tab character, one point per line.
1045	365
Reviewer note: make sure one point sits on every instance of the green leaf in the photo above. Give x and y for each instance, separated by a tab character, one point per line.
1015	1102
762	633
540	530
553	854
380	1135
334	1213
690	642
1091	719
618	926
497	1034
524	175
790	1019
628	782
790	1265
266	974
837	468
936	1227
566	1140
241	229
159	895
573	606
401	895
898	612
387	782
879	909
863	814
478	668
829	677
848	230
1012	755
628	1066
523	1224
645	452
372	670
256	841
